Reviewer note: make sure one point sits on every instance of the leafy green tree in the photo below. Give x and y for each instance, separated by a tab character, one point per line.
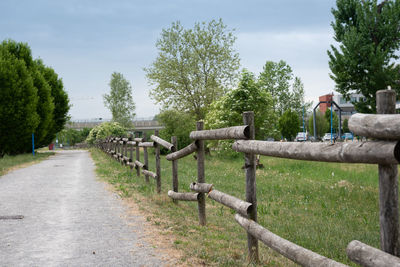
60	101
275	79
368	34
321	124
50	100
120	101
286	90
177	123
289	124
104	130
228	110
335	120
18	102
45	107
194	67
346	125
72	136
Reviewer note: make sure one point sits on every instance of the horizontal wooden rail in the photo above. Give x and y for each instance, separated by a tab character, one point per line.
152	174
183	152
236	132
162	142
294	252
379	126
125	139
146	144
131	143
232	202
369	256
138	139
127	159
183	196
371	152
201	187
139	164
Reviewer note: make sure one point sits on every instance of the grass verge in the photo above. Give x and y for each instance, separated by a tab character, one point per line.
9	163
320	206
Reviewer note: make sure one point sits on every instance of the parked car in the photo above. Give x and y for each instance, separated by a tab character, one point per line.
301	137
327	137
348	136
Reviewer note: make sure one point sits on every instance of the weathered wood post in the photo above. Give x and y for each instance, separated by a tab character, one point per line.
201	203
251	197
388	185
174	168
158	164
131	153
125	151
137	154
146	157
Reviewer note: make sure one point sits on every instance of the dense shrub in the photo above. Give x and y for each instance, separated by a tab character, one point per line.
104	130
176	123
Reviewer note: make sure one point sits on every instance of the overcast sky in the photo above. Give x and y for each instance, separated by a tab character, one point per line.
86	40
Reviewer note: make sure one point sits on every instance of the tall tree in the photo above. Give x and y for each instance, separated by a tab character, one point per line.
120	101
368	34
289	124
60	100
228	110
18	102
49	98
286	90
321	124
335	120
194	67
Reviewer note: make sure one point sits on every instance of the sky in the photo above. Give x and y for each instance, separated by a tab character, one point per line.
85	41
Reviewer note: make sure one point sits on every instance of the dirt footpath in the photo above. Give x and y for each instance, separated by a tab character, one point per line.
70	219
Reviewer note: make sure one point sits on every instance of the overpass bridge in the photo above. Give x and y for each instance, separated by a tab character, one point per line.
139	124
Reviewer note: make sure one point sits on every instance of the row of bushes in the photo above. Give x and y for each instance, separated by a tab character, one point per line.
32	100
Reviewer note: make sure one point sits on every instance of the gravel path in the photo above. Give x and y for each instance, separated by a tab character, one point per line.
70	219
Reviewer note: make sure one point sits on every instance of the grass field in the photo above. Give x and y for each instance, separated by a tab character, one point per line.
320	206
8	163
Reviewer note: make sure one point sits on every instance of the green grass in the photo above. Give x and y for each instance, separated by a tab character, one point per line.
8	163
320	206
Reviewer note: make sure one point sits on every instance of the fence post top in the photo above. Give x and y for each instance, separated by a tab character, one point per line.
386	91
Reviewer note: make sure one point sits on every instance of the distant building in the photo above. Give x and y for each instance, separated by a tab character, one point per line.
346	105
324	106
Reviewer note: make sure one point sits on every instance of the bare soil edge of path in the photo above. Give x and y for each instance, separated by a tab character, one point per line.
24	165
162	240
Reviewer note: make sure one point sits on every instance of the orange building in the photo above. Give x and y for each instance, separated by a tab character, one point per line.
324	106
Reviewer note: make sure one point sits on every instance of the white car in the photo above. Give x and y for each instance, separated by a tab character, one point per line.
327	137
301	137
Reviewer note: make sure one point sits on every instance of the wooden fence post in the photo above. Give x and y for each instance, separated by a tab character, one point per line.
201	203
146	158
131	154
158	164
175	184
137	155
388	185
251	197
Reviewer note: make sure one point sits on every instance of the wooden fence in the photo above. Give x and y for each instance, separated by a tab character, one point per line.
384	150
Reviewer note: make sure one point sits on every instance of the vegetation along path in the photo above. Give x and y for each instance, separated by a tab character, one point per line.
69	218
